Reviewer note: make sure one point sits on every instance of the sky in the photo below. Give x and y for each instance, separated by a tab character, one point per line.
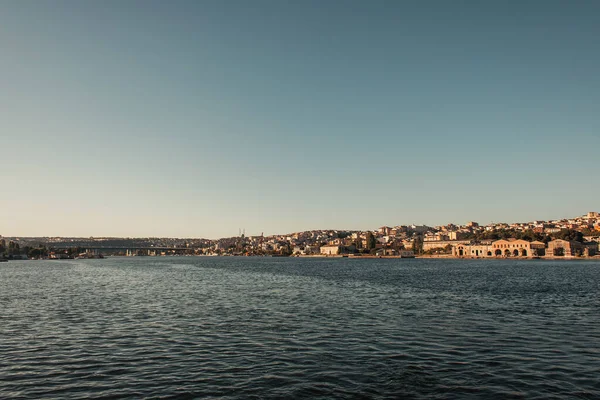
198	118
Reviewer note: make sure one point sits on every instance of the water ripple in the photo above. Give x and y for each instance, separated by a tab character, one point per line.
239	328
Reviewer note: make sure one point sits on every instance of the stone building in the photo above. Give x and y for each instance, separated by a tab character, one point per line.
472	250
331	250
511	248
569	248
442	243
538	248
500	248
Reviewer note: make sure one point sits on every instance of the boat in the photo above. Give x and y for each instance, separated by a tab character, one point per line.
83	256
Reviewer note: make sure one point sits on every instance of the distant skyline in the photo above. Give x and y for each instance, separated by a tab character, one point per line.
197	118
242	231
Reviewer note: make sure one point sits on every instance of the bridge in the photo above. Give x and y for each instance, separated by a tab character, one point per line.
129	250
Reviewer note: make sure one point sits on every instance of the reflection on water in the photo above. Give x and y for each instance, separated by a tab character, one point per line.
292	328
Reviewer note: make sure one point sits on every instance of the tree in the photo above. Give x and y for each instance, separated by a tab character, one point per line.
35	253
590	232
569	234
417	245
371	241
286	250
25	250
13	248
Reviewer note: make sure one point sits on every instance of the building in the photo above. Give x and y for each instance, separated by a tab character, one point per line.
512	248
538	248
418	228
472	250
395	253
386	252
312	249
500	248
456	235
331	250
430	245
385	230
435	237
565	248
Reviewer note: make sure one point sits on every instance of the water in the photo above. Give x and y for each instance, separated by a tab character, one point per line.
268	328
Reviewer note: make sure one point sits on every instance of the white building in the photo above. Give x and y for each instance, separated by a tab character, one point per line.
331	250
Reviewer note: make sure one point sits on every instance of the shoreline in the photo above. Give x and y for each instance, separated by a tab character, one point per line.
336	256
450	257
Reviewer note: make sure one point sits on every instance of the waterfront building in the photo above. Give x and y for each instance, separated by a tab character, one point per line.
331	250
386	252
312	249
565	248
395	253
538	248
499	248
430	245
472	250
511	248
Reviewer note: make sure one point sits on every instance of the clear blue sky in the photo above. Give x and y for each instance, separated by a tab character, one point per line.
196	118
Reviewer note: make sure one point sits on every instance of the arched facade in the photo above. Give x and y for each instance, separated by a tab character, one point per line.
499	248
512	248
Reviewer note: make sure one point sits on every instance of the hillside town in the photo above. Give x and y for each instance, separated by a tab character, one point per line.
570	238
